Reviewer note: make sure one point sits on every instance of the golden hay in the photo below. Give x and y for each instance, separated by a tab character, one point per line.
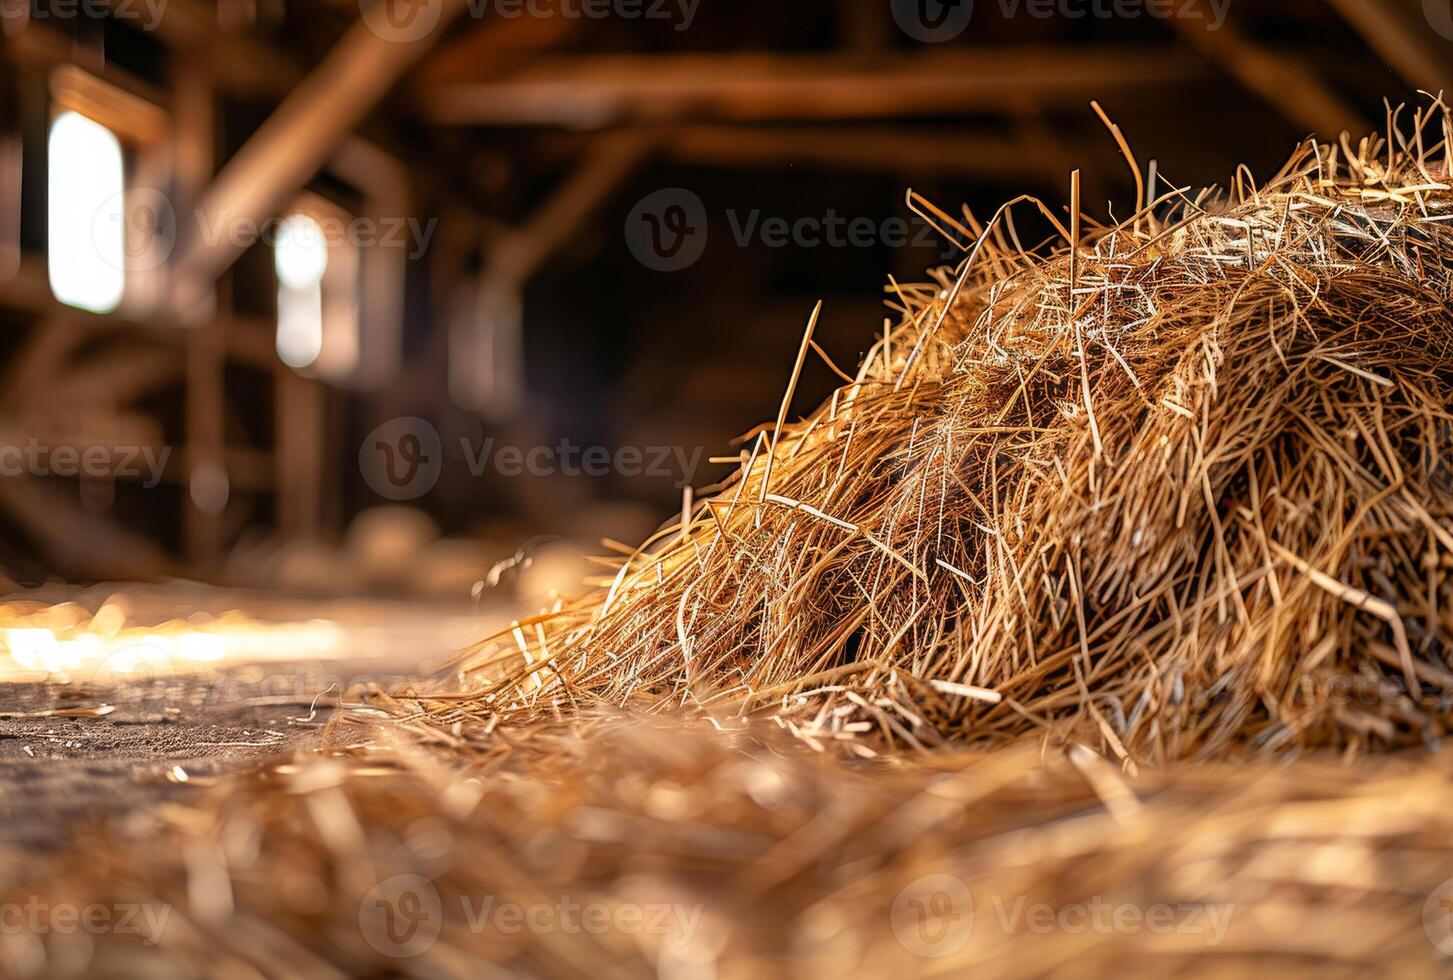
1182	490
700	853
1179	490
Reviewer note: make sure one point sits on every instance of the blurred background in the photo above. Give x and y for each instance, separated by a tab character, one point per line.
403	299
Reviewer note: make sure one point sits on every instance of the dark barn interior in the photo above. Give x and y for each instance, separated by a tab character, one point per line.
340	340
494	164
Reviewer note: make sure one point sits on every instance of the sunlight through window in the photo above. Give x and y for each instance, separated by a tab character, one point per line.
301	258
87	259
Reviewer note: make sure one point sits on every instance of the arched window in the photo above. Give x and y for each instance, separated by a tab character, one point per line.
86	214
317	290
301	259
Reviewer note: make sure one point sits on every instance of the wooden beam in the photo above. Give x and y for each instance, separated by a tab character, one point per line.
491	51
516	255
301	134
250	340
117	377
877	149
239	64
32	370
78	543
590	92
1416	51
1284	80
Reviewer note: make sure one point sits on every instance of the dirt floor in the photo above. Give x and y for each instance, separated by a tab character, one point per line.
79	749
61	761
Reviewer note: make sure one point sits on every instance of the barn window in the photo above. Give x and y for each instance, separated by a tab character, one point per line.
317	290
110	225
87	226
301	258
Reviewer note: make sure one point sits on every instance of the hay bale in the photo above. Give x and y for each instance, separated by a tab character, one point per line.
1179	488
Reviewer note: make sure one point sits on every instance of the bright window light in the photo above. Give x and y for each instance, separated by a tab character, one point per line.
300	257
87	259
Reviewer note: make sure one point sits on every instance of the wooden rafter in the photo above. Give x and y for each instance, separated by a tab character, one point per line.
601	90
299	137
488	51
1410	47
875	149
1285	81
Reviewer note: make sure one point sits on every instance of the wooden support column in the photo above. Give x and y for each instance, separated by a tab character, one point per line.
485	346
300	136
206	482
298	461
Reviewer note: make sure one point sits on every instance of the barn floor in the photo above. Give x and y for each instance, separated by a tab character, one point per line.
57	769
82	745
